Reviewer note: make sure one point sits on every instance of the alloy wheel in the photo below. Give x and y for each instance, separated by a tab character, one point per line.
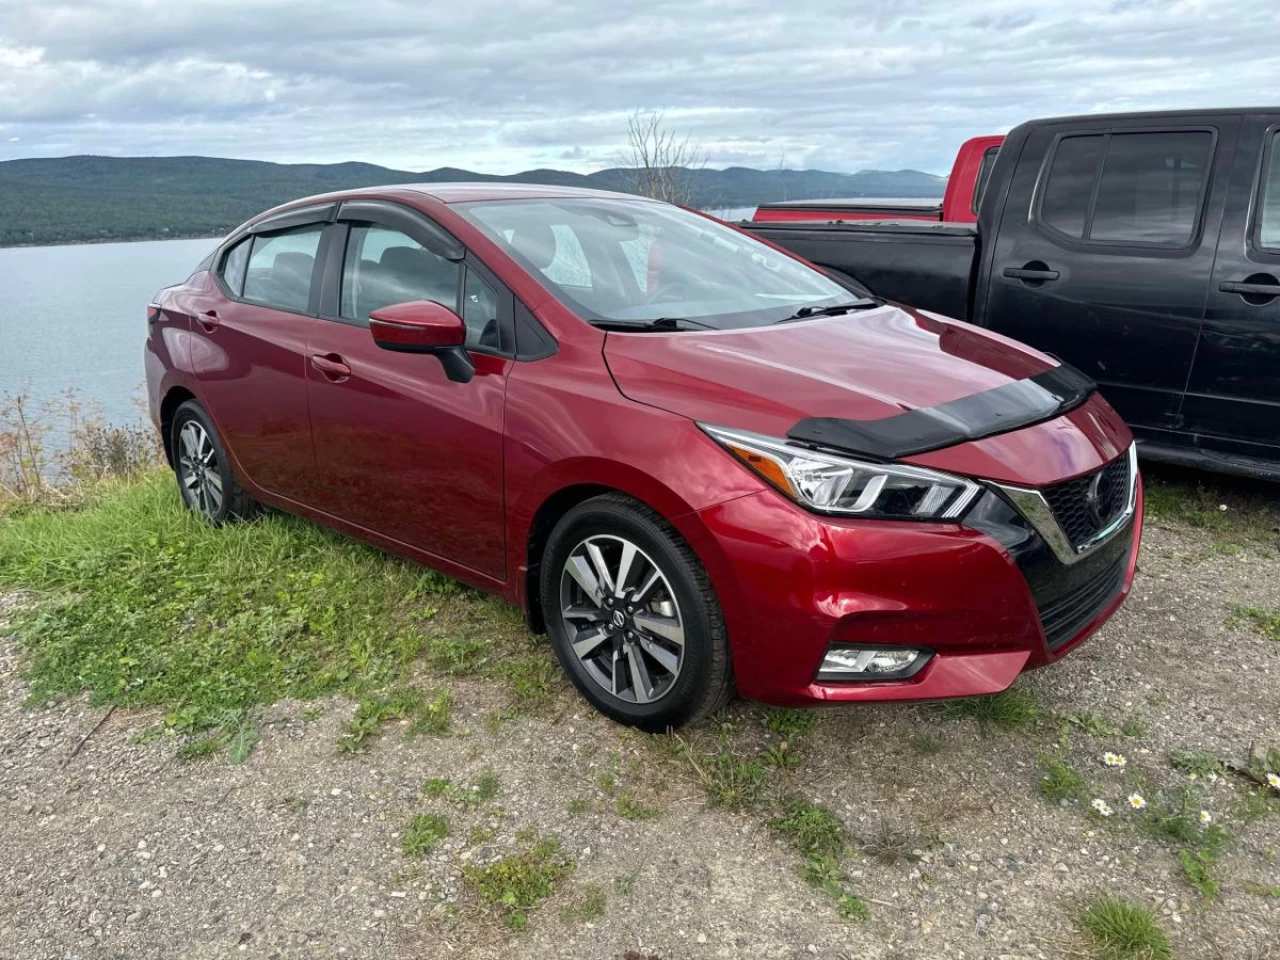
198	470
622	619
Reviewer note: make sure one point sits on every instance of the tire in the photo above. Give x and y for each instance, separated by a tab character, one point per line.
653	654
206	480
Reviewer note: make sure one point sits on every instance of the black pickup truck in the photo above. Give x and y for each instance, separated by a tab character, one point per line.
1143	249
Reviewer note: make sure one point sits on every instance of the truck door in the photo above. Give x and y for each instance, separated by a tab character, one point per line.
1105	249
1235	381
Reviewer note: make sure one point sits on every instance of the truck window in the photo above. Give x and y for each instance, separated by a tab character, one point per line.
1147	190
1151	187
984	174
1269	203
1065	205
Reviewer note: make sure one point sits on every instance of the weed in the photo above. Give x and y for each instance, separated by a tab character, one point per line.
479	835
1201	763
1123	931
590	907
788	722
1094	724
1263	619
530	679
1134	728
780	756
484	789
457	656
814	828
518	882
1014	707
1060	782
311	714
629	808
204	745
436	787
1259	890
424	832
1178	821
1196	865
853	907
607	782
623	884
731	781
402	703
578	806
892	844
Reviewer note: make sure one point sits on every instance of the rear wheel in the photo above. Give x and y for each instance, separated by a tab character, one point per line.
205	477
632	616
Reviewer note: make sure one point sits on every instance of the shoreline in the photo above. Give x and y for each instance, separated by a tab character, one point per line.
89	243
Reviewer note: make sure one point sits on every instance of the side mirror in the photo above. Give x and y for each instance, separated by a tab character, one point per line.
424	326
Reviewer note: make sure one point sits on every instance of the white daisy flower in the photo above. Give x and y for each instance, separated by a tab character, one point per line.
1206	817
1274	780
1101	807
1114	759
1137	802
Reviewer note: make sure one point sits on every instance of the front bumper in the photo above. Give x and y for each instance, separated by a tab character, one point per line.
804	582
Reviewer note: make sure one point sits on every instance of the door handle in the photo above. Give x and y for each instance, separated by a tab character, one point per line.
1269	290
331	366
209	320
1036	273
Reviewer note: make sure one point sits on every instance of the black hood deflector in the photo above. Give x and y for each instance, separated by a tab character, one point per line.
998	410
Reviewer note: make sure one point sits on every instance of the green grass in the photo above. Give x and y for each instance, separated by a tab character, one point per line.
1123	931
1196	867
1264	620
730	781
814	829
629	808
588	908
401	703
1010	708
424	832
1060	781
144	604
517	883
482	791
436	787
787	722
1171	495
1201	763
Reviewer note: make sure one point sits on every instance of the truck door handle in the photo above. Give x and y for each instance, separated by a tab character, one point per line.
1260	293
331	366
1038	272
208	320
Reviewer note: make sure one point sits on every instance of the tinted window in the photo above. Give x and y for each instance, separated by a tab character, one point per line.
480	311
1065	204
280	268
233	265
384	266
1151	186
1269	208
984	174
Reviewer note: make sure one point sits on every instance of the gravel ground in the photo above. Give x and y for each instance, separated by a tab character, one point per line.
122	850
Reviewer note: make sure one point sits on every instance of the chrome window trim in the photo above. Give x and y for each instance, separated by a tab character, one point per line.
1033	506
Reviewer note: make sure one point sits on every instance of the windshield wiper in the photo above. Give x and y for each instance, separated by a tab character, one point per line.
657	323
806	313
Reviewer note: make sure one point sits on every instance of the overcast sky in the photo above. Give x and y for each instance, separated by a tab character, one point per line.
506	86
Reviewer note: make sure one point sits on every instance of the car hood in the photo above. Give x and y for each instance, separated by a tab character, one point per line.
863	366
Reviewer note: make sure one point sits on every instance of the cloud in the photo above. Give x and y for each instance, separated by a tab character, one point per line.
503	86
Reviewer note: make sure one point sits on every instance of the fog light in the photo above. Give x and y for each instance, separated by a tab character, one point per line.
871	663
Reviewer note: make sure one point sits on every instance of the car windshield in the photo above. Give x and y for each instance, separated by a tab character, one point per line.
633	262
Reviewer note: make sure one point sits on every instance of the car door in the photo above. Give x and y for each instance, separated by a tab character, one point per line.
1104	251
1233	398
400	448
249	350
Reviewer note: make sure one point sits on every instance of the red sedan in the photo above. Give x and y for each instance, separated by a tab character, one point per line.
696	461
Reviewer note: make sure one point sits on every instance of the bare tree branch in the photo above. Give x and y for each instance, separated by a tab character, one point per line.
660	161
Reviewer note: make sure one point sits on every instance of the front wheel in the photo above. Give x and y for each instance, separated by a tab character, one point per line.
632	615
205	478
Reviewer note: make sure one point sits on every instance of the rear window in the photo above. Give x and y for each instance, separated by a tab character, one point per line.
1269	205
233	265
280	268
1128	188
984	175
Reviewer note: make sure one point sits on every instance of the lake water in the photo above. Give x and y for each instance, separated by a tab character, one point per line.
76	317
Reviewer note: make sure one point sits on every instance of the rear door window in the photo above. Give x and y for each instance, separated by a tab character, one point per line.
1069	187
1143	189
281	266
1151	187
1269	204
984	175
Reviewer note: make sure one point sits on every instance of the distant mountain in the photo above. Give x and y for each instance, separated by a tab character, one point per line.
86	199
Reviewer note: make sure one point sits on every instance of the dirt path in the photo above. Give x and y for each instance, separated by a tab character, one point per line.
125	851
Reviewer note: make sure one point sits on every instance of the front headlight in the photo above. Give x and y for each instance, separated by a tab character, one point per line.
830	483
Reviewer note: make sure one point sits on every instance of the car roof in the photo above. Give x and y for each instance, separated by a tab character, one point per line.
458	192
